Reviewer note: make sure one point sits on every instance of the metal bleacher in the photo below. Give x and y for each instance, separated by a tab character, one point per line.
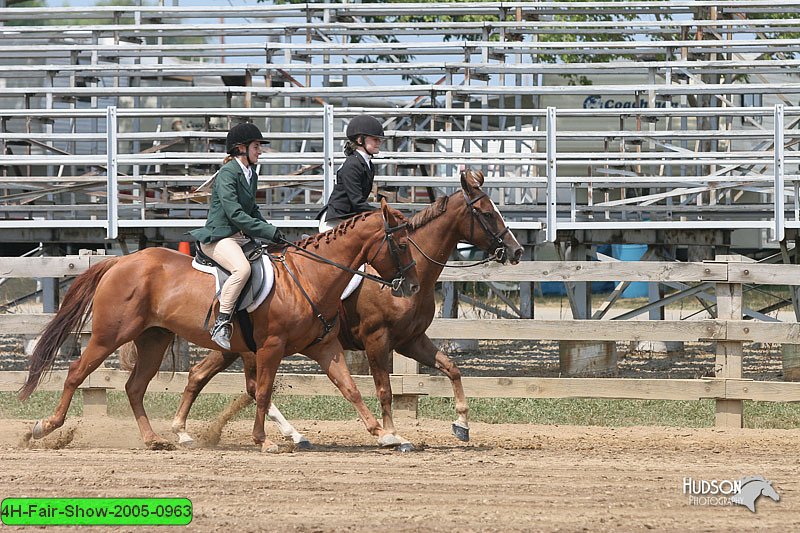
676	116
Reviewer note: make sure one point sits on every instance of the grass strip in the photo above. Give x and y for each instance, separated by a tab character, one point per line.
567	411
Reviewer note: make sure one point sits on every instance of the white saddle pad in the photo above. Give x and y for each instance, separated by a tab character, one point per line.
261	294
269	281
354	283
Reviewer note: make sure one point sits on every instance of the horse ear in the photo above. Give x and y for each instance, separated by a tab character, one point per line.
387	213
471	179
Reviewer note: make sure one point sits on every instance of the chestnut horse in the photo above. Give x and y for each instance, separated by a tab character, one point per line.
378	323
150	296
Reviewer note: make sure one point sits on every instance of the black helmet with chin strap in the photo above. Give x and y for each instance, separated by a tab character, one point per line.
364	125
243	133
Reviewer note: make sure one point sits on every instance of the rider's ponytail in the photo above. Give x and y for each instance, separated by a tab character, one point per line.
349	147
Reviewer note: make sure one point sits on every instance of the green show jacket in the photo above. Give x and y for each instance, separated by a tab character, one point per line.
233	208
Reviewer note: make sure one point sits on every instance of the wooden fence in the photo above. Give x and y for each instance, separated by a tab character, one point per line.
730	332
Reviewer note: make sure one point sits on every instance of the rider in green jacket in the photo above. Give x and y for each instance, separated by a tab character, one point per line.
233	220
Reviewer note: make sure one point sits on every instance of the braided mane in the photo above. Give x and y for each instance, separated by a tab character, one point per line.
341	229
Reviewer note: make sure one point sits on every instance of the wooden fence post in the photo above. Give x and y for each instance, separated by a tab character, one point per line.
404	405
729	353
95	402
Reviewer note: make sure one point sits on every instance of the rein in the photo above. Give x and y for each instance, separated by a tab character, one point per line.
395	284
327	325
491	257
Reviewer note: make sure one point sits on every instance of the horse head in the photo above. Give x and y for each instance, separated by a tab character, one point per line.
398	266
752	488
769	491
486	227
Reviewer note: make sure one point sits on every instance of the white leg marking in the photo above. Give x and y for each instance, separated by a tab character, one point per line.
286	429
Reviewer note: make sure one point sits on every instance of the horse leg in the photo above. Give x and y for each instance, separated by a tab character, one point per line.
379	367
267	360
422	349
151	345
92	357
199	376
286	429
331	360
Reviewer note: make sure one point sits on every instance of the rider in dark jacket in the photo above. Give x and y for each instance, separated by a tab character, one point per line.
355	177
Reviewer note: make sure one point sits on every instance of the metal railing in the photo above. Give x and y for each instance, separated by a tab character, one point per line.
569	202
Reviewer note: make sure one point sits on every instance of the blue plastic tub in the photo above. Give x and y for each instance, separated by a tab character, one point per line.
631	252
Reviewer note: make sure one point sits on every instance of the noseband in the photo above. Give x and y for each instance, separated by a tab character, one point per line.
496	239
394	252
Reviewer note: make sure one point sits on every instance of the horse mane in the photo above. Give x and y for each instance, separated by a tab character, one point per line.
341	229
433	211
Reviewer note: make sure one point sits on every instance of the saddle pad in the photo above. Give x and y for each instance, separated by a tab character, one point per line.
258	294
354	283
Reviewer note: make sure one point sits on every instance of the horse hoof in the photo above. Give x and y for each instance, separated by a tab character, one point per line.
303	445
160	445
461	433
185	441
389	441
38	430
406	447
270	448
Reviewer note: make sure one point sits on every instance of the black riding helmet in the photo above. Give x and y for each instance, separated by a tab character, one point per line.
364	125
243	133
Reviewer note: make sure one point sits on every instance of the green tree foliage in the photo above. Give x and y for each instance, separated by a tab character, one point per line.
24	3
624	14
776	34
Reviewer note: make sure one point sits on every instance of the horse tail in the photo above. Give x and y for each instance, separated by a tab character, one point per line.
128	355
71	316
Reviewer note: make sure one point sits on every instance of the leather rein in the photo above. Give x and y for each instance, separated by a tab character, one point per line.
497	238
395	283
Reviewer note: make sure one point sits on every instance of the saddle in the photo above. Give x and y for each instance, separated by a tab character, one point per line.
255	291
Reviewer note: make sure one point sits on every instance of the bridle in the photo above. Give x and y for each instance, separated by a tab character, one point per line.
394	252
499	252
395	283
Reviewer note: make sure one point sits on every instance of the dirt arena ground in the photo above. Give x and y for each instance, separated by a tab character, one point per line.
508	478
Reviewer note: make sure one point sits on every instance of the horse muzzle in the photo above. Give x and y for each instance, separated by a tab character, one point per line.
403	289
502	255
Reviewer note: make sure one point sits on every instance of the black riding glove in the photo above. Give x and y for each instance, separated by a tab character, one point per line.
278	238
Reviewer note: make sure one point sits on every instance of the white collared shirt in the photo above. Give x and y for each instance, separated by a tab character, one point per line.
245	169
366	157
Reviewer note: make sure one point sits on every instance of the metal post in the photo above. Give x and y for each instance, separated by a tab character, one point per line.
112	202
327	152
551	232
779	162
